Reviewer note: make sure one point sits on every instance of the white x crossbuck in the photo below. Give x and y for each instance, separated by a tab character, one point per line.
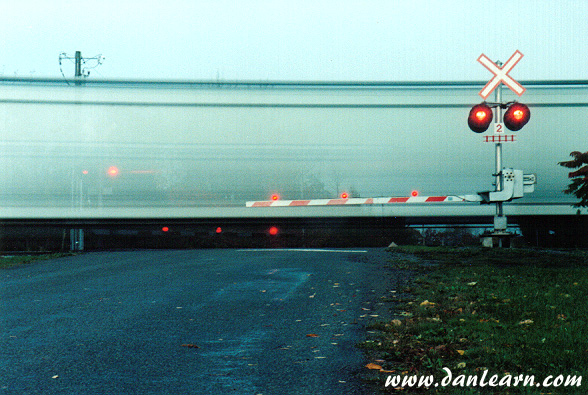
501	75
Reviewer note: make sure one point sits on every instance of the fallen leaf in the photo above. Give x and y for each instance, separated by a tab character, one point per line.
55	377
526	322
472	283
312	335
461	365
427	303
373	366
396	322
460	352
190	345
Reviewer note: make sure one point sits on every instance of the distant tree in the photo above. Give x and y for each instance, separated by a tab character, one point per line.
579	185
453	237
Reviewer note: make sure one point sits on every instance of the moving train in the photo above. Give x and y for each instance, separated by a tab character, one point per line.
110	150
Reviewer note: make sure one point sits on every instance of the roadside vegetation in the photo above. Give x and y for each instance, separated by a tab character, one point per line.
507	311
579	184
8	261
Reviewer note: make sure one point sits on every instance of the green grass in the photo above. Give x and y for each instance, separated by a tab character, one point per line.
505	310
11	261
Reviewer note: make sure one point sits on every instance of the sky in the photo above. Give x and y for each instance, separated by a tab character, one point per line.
296	40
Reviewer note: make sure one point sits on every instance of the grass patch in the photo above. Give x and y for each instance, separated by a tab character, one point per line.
15	260
507	311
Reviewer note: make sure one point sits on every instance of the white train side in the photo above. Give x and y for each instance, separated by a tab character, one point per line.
201	149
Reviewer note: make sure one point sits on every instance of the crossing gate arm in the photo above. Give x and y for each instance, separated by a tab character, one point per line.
361	201
514	185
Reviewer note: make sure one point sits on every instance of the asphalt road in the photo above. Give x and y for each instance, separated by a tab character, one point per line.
191	322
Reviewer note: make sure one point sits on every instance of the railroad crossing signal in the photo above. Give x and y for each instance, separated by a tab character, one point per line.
480	117
517	116
501	75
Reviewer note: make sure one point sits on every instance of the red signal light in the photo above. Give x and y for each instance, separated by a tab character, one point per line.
344	195
414	193
517	116
275	197
273	231
112	171
480	117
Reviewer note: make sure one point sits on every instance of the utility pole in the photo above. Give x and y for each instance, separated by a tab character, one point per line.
82	70
78	74
77	235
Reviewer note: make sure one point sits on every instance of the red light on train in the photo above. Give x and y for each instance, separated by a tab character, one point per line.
414	193
273	231
112	171
84	172
165	229
219	230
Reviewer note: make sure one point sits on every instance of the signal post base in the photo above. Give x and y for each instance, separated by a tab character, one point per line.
496	239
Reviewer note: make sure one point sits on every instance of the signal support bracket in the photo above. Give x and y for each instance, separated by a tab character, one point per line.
514	185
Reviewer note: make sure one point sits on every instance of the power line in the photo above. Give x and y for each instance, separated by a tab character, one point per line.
82	65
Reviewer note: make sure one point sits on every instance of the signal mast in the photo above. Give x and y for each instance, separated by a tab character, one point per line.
516	116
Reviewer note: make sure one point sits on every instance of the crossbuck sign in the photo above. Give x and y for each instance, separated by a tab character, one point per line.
501	75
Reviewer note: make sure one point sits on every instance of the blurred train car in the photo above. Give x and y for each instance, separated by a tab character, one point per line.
120	150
